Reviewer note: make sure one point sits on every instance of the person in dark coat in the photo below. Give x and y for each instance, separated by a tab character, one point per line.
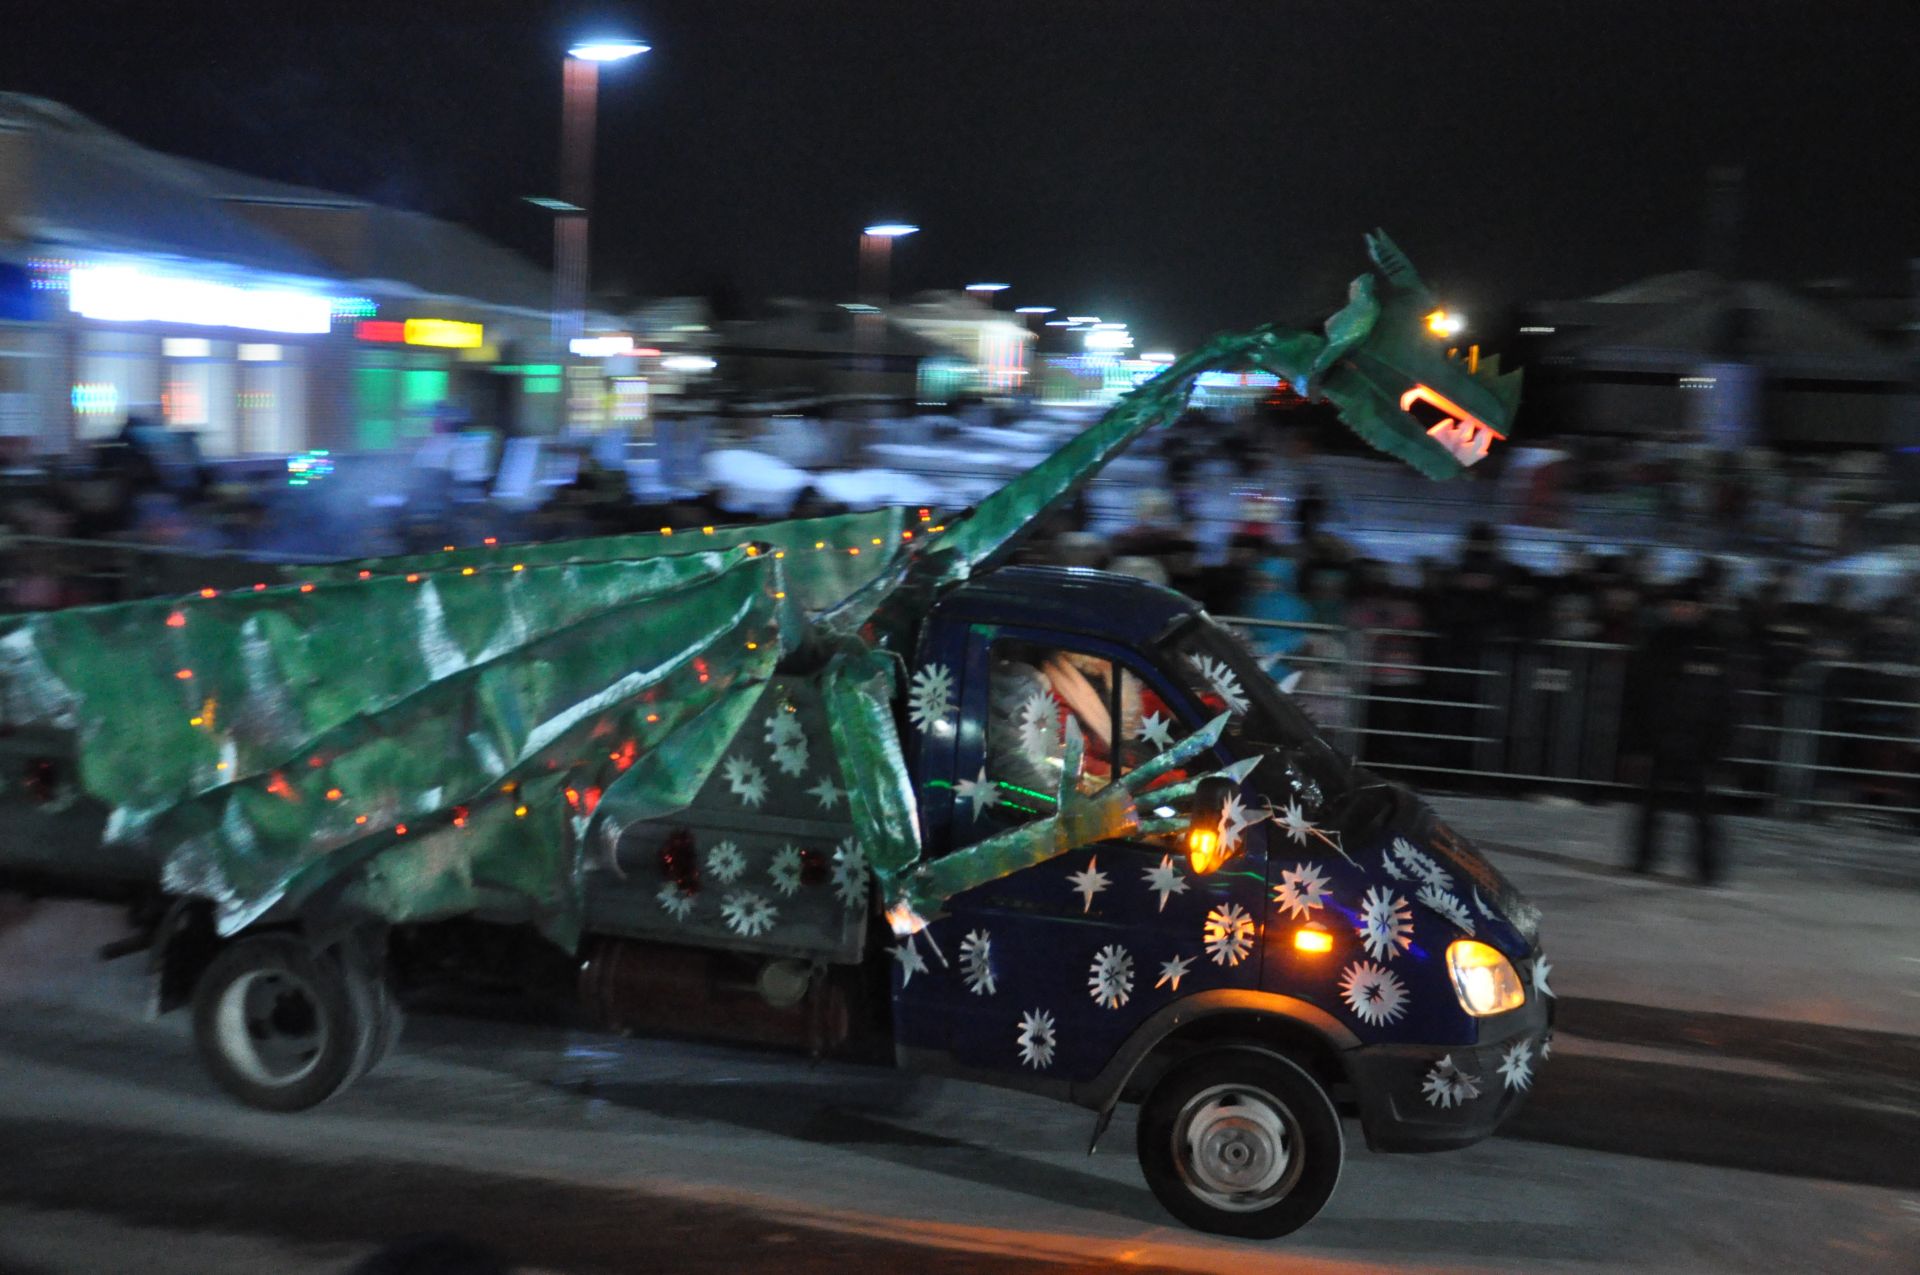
1680	723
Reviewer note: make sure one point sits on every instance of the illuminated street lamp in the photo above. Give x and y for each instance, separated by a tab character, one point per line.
1033	309
580	79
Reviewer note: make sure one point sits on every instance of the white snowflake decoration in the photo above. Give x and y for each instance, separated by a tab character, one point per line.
1446	1085
746	780
788	742
976	962
911	962
850	873
979	792
748	914
1542	967
785	870
1481	903
827	793
1446	905
1374	993
1039	725
1422	865
1088	882
1110	978
1222	680
1156	730
677	901
1165	880
1037	1039
1386	924
930	697
1516	1065
1296	823
1546	1047
1173	971
1391	868
1302	889
1228	934
726	862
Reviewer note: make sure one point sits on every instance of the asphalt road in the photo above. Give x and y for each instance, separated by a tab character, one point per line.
1775	1147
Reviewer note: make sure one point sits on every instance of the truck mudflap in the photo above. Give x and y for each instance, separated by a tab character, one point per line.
1442	1097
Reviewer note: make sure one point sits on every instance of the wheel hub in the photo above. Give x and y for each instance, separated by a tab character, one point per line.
1236	1148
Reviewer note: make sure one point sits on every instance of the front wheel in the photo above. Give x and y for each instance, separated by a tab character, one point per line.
282	1027
1241	1142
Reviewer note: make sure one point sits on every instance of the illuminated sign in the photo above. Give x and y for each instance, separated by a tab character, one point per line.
127	294
445	334
380	330
1460	431
600	347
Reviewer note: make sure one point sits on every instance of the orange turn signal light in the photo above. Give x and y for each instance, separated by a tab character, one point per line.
1311	940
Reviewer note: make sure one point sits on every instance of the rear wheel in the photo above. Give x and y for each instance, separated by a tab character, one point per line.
1241	1142
282	1027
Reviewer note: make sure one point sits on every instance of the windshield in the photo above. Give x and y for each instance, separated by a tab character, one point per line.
1219	671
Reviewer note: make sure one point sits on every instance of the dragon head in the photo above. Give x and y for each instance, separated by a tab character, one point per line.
1388	368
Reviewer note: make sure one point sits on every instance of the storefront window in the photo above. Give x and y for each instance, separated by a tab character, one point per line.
117	373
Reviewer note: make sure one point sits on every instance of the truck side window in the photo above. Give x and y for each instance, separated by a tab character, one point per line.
1034	692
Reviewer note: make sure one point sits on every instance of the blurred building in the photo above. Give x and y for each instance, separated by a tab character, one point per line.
1737	363
265	318
803	350
989	351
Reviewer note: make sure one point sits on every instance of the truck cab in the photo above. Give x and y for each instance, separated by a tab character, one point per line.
1334	942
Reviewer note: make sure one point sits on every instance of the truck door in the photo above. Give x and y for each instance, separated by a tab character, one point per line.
1046	970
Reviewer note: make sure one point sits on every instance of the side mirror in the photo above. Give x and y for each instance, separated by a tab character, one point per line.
1205	841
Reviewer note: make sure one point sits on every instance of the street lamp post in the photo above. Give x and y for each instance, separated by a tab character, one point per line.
580	79
876	262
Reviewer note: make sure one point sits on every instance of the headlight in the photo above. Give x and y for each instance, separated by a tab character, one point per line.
1483	979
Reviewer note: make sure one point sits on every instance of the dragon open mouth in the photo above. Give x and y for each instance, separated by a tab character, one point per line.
1449	424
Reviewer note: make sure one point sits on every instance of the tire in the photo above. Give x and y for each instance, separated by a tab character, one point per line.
1241	1142
281	1027
389	1020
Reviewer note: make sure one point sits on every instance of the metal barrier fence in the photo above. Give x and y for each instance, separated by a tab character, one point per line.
1551	715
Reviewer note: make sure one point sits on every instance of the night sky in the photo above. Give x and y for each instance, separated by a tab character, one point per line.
1185	165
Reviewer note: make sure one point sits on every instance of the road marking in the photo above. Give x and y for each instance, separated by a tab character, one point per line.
1586	1047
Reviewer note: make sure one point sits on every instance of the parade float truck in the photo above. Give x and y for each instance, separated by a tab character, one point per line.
818	784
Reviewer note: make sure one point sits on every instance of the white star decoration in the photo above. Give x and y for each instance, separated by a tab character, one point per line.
1438	900
1421	865
1447	1085
1110	978
1302	889
827	793
746	781
675	900
976	962
850	873
748	914
930	697
1386	924
726	862
1374	993
1542	967
1039	725
911	962
1173	971
1296	823
1156	730
1227	934
1165	880
788	742
1088	882
1036	1038
785	870
1516	1065
980	792
1222	681
1234	821
1546	1047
